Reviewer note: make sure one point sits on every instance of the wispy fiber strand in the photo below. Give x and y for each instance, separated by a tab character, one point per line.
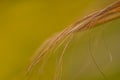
107	14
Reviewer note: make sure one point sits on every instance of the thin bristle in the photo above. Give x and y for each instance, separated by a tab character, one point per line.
99	17
59	65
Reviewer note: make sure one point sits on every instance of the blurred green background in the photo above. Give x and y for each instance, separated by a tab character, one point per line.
25	24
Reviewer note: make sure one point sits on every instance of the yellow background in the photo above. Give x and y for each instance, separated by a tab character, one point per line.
25	24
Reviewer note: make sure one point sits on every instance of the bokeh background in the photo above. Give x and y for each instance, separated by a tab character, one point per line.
25	24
